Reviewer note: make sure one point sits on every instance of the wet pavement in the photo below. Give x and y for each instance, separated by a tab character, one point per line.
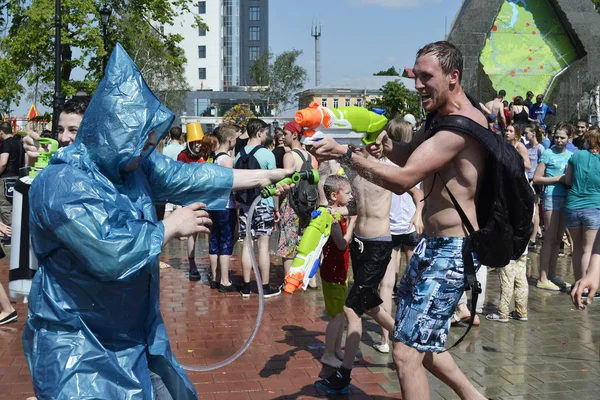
554	355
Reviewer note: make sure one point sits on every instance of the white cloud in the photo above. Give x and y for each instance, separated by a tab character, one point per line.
396	3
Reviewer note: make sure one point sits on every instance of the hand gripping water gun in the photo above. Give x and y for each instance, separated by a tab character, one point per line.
23	263
347	125
308	259
312	176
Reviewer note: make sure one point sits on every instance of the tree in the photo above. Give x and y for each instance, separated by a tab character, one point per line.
391	71
27	50
396	100
280	80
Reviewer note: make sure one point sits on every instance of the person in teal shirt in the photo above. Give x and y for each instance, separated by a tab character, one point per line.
263	219
551	171
582	209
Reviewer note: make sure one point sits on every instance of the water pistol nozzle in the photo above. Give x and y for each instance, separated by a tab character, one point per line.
44	156
312	176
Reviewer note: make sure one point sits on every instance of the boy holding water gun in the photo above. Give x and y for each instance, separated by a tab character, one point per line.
334	268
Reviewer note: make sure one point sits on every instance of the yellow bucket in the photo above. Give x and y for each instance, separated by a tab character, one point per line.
194	132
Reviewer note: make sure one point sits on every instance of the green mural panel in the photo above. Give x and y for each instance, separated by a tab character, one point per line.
526	47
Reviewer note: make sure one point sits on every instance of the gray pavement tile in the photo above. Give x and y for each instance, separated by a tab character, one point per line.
391	387
524	397
570	396
491	380
520	389
584	385
549	387
521	378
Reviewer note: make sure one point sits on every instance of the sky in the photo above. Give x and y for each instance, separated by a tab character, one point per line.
358	37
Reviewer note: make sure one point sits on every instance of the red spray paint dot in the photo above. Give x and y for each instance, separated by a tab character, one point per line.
513	73
533	33
494	28
530	58
541	67
527	24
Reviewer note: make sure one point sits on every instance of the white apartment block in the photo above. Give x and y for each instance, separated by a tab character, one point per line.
219	59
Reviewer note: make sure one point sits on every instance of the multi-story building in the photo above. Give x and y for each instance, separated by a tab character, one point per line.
219	58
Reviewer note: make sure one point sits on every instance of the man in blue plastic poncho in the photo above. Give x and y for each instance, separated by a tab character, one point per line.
94	329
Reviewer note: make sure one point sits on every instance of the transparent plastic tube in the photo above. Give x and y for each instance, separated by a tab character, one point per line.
261	306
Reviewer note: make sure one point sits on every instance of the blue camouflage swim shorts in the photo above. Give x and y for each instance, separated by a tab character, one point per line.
429	292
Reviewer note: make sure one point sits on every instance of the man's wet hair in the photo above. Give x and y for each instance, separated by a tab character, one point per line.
502	93
529	94
176	133
226	131
6	127
77	105
448	55
255	125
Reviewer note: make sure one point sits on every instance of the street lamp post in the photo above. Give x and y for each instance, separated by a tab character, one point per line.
57	101
105	16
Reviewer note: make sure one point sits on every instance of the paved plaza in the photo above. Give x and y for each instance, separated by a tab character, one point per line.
555	355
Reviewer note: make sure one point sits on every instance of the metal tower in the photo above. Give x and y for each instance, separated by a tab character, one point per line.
315	32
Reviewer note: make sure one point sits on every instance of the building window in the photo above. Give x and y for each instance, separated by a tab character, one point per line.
201	73
201	32
201	51
358	102
336	102
254	52
254	33
324	102
201	7
347	102
254	13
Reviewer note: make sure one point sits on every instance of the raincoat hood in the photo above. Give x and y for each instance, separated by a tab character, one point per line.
120	117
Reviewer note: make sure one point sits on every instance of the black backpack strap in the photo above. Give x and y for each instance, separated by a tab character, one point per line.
469	264
461	212
218	155
254	150
305	162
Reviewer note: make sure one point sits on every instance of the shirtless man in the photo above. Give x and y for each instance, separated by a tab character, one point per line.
371	251
496	106
434	279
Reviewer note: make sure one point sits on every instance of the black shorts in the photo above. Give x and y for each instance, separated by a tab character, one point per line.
407	239
370	259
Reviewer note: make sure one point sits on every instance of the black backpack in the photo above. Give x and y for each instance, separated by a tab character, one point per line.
247	161
504	205
303	196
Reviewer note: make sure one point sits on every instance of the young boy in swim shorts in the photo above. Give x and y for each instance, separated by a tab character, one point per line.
334	268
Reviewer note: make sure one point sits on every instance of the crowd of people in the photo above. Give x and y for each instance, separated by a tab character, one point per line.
384	199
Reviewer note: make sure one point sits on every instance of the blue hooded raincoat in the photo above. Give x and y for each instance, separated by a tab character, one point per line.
94	329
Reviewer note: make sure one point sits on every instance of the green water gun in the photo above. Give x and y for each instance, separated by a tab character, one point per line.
45	156
312	176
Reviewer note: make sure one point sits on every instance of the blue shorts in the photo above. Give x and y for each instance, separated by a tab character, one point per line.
221	231
429	292
588	218
551	203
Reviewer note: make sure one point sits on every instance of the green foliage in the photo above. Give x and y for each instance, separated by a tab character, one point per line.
27	50
396	100
280	80
391	71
